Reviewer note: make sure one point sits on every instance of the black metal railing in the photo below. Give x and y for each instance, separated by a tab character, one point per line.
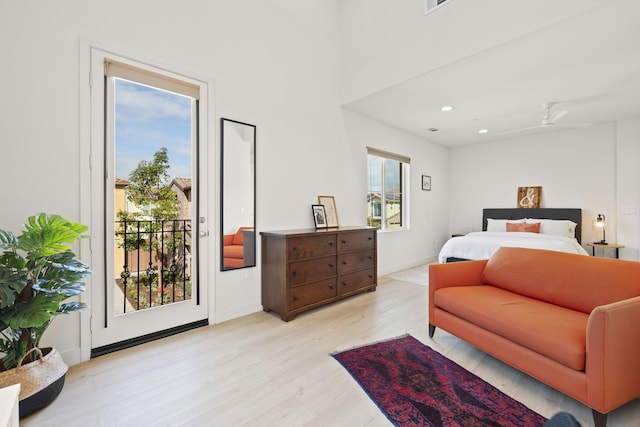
157	262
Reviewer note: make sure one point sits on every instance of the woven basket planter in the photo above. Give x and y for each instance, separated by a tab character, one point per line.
40	381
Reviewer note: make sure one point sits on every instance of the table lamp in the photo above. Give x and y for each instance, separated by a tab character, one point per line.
600	222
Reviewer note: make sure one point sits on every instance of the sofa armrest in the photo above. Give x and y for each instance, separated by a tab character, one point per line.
613	354
227	239
463	273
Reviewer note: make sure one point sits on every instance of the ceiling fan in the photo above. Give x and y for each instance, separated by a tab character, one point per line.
549	120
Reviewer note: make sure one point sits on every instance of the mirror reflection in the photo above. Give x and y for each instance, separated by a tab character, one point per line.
237	194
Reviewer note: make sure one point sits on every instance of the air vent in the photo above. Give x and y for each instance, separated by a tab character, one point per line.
433	130
430	5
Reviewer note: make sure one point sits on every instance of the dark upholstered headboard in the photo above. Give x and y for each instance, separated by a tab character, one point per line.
574	215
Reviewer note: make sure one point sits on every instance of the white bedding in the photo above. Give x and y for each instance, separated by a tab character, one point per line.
482	244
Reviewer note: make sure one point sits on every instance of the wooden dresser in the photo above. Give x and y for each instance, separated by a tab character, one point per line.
304	269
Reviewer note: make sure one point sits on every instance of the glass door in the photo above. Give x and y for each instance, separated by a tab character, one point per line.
153	216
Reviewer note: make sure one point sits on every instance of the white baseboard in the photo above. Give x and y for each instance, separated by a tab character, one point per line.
71	357
239	311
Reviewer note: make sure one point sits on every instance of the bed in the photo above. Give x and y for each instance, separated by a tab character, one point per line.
558	230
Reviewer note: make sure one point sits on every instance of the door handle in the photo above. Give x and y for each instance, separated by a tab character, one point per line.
204	233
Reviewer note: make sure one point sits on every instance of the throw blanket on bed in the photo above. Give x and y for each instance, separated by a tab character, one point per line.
482	244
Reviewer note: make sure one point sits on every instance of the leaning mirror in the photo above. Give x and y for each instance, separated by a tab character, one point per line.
237	194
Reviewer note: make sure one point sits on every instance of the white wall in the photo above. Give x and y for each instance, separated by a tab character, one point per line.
576	169
272	63
628	187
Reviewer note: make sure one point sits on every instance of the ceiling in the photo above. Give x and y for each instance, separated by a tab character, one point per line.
590	64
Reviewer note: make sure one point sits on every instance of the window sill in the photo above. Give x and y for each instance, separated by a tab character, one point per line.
392	230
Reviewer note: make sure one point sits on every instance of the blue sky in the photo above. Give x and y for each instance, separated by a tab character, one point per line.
146	120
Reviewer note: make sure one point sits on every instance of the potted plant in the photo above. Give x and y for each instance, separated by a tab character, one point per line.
38	272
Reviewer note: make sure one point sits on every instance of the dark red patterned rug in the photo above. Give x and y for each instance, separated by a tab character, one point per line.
416	386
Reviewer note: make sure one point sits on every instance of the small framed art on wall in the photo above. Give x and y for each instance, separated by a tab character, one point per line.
426	182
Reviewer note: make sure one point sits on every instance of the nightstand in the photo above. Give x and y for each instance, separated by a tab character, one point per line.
609	245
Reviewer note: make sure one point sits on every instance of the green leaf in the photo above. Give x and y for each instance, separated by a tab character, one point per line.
8	240
12	260
70	307
45	235
11	284
61	288
31	314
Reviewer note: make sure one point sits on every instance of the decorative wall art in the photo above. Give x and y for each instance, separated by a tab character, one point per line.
319	216
426	182
529	197
329	203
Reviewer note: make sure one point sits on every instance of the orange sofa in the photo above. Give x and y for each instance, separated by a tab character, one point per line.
234	250
571	321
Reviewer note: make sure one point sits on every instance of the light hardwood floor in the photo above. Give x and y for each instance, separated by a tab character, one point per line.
261	371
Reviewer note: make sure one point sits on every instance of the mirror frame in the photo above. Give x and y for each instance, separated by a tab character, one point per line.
252	263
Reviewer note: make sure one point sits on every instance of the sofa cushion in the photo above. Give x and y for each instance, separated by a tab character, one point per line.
233	262
238	238
578	282
234	251
555	332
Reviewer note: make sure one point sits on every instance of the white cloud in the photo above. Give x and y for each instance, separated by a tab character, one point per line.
140	103
147	119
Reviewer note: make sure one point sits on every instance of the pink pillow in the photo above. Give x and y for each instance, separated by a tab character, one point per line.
529	228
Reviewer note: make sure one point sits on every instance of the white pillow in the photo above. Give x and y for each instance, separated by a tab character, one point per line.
501	224
557	227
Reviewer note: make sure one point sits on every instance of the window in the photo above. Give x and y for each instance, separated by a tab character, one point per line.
386	189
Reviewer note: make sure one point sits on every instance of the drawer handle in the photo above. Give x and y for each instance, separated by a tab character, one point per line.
344	242
370	238
331	287
344	262
295	248
296	298
344	284
295	273
370	257
330	265
370	276
330	243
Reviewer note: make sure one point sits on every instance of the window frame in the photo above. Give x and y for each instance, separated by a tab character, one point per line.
405	163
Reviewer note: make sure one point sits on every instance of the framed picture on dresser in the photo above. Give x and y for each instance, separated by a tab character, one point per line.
329	203
319	216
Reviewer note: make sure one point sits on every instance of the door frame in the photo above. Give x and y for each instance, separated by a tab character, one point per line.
91	129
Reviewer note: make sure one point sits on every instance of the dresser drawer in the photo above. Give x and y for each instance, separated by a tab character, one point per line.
357	240
354	261
311	246
356	281
312	293
312	269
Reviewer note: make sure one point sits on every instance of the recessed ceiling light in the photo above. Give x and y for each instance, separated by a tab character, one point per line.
483	131
447	108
